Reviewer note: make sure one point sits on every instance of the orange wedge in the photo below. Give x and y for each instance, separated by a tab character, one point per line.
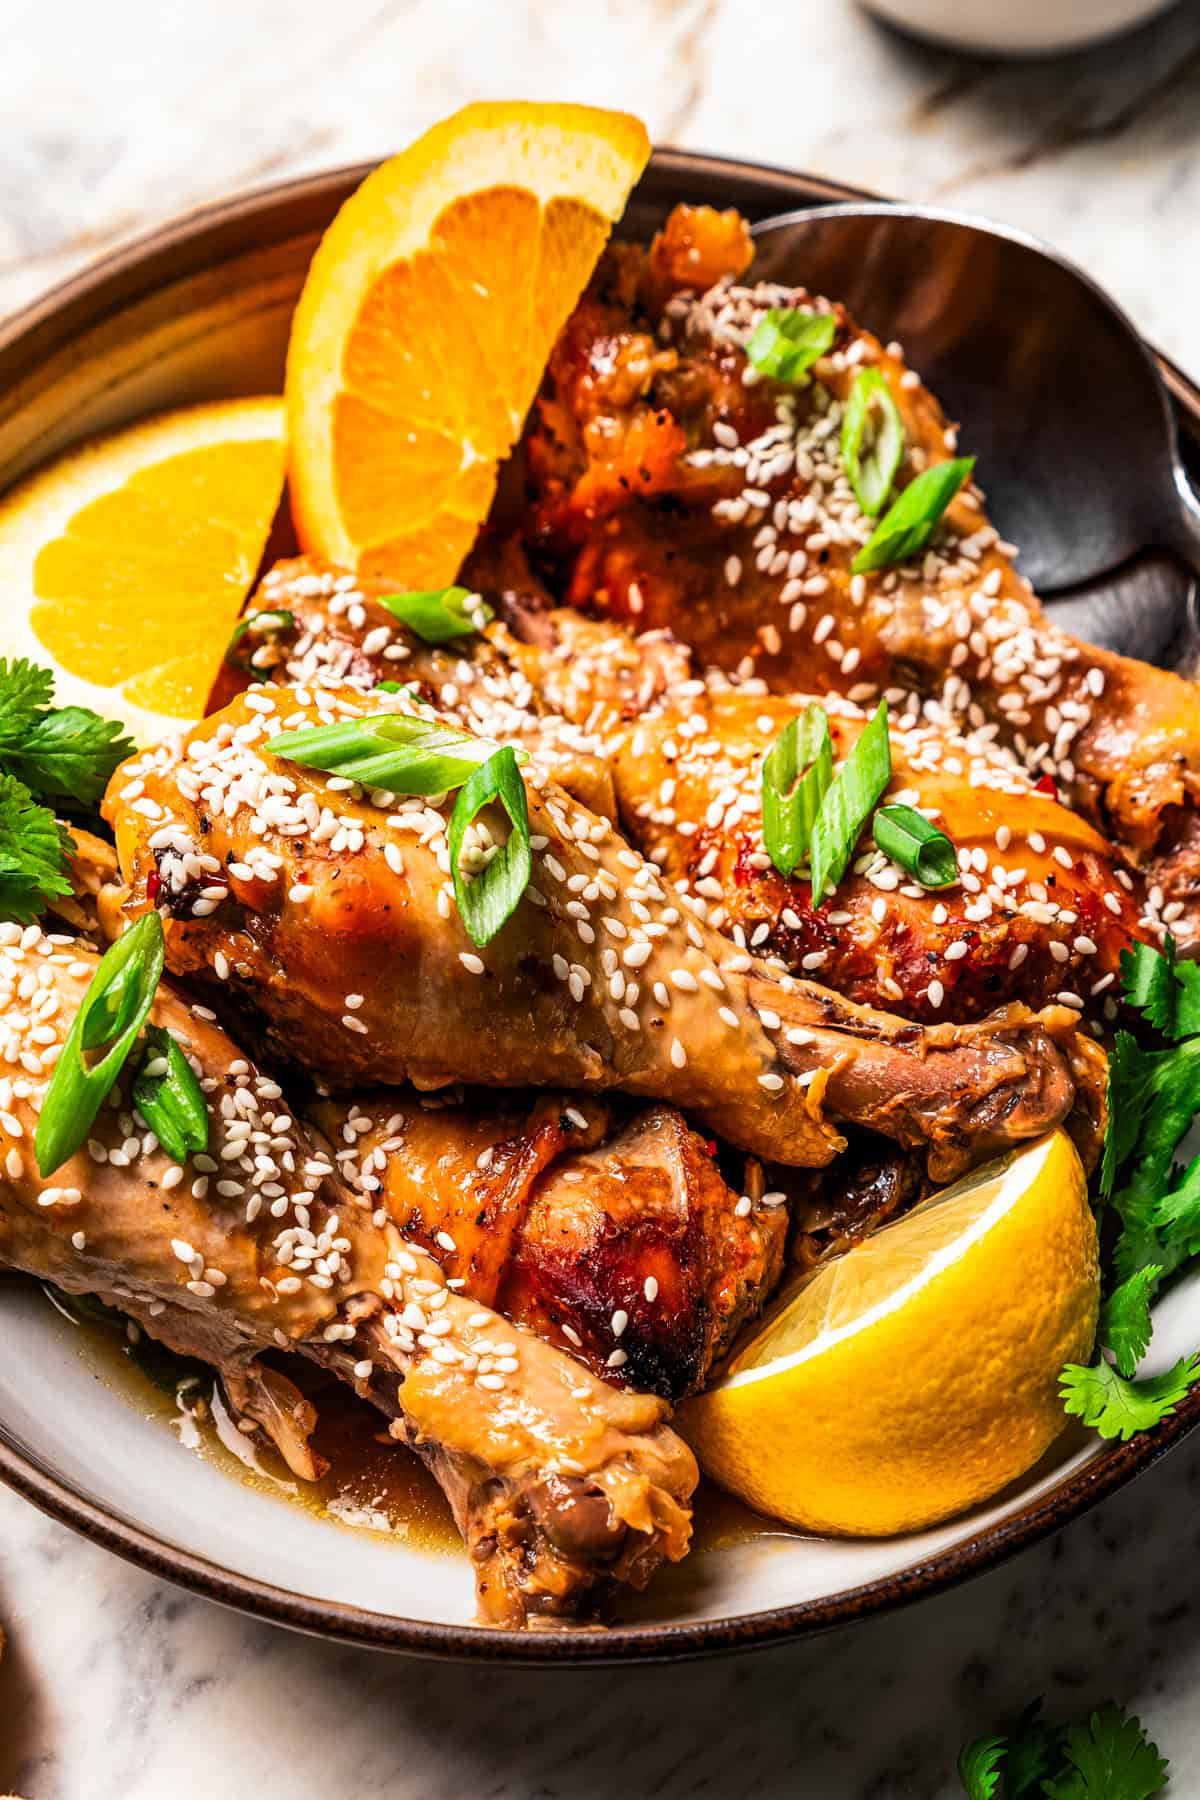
124	565
426	320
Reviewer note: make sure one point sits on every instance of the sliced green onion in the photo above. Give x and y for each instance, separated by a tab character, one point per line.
407	755
796	774
872	439
911	521
787	342
112	1013
170	1099
113	1007
439	614
487	899
919	847
849	804
276	619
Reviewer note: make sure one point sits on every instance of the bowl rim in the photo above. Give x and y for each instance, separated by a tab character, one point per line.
182	245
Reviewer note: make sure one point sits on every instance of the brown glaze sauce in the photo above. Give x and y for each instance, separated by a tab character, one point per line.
372	1484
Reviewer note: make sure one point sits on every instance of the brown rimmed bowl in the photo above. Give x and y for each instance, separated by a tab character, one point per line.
199	310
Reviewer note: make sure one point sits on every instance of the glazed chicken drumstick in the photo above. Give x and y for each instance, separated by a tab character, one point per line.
1042	908
670	484
562	1486
328	912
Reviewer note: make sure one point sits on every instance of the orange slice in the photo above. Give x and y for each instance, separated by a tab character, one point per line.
124	564
426	320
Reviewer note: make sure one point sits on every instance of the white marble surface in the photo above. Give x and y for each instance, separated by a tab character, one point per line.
112	116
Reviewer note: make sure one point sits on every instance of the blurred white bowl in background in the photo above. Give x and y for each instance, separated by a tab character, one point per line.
1017	27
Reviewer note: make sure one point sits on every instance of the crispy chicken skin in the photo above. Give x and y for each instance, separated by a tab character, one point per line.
1038	913
317	905
615	1238
563	1487
670	486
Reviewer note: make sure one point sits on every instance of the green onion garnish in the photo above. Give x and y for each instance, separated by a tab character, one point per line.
872	439
406	755
440	614
787	342
267	624
911	521
849	804
169	1097
919	847
112	1013
796	774
487	899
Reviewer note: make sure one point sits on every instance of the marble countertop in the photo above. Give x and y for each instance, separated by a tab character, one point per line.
115	1684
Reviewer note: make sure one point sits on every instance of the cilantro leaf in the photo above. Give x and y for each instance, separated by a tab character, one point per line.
1109	1758
1127	1098
69	754
25	689
1187	1007
1156	1095
64	754
32	844
1119	1408
1024	1754
1035	1754
1177	1214
1165	991
979	1767
1148	978
1125	1325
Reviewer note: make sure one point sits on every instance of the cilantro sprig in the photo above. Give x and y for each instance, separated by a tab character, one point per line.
1106	1757
33	846
64	755
1153	1096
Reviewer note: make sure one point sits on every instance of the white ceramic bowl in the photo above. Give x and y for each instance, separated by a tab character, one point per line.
1017	27
197	311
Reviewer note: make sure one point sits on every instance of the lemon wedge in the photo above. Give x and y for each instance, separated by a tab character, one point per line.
917	1374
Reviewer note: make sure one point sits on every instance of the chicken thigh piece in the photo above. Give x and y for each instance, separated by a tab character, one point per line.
563	1487
328	912
671	485
614	1237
